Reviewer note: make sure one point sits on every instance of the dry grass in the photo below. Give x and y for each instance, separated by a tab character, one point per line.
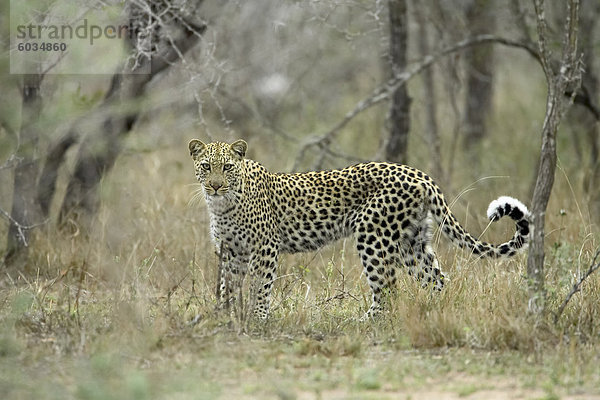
125	309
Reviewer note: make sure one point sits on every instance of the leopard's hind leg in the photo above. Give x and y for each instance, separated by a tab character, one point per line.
419	257
377	232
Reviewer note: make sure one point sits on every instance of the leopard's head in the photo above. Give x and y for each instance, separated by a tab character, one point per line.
219	166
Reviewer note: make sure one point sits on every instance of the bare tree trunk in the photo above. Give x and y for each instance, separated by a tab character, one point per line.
100	149
101	146
47	182
397	144
479	74
566	77
588	122
592	178
431	127
24	211
440	19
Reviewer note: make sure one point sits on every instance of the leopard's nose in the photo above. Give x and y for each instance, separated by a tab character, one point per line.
216	185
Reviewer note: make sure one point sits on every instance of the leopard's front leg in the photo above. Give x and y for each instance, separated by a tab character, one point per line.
263	270
232	270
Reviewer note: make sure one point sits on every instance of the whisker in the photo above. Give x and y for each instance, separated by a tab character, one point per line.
197	195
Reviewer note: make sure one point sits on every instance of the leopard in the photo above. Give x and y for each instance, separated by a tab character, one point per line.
390	209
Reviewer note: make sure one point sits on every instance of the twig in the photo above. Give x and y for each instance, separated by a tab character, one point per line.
342	294
255	114
584	99
11	162
82	271
21	228
594	266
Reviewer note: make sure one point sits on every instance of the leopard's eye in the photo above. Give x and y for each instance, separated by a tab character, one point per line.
205	166
227	167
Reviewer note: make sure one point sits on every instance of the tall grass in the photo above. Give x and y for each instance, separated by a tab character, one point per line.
149	246
146	263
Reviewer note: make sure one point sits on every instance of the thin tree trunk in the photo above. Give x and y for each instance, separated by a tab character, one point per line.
24	211
440	19
479	75
397	145
588	122
567	76
431	127
541	196
47	183
100	149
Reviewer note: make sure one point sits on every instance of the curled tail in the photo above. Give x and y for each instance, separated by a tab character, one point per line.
503	206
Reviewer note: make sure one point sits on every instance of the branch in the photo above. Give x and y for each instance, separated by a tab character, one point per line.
594	266
21	228
542	31
571	64
255	114
178	47
582	95
384	91
161	16
11	162
583	99
49	175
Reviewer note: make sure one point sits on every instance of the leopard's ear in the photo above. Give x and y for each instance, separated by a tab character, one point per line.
196	147
239	148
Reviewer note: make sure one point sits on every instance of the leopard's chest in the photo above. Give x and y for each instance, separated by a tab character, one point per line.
232	225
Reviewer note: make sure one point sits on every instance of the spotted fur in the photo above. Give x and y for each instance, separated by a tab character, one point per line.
390	208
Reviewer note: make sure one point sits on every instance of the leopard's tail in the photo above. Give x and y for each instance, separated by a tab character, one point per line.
503	206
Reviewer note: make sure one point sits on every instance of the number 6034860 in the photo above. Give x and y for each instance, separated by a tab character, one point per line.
43	46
